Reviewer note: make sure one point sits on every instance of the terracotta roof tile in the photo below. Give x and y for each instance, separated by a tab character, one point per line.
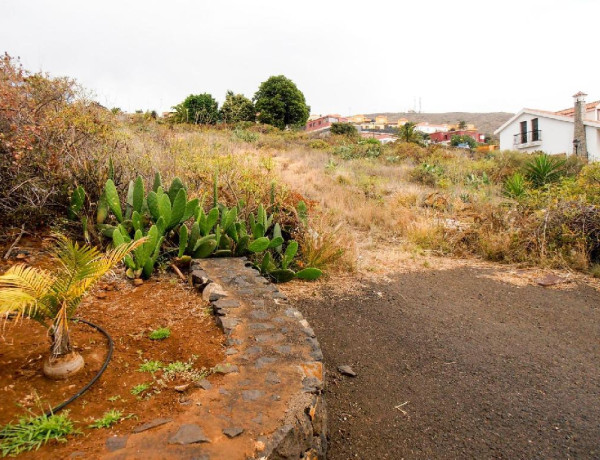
570	111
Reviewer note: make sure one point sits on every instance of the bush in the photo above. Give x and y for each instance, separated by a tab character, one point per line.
319	144
237	108
463	139
198	109
344	129
426	174
51	138
245	135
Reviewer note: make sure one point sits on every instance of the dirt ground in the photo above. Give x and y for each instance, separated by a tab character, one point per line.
467	362
128	313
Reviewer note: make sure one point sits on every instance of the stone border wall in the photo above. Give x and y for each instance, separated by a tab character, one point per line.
271	345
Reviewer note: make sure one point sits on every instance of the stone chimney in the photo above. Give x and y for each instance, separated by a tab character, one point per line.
579	141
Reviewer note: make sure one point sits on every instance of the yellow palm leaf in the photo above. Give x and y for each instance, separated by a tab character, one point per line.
35	292
23	290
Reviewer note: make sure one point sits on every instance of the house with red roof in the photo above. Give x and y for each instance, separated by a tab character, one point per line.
323	123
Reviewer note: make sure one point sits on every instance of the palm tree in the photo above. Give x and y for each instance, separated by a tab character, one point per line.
409	133
43	295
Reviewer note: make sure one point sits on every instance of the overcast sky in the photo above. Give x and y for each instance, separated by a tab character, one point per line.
346	56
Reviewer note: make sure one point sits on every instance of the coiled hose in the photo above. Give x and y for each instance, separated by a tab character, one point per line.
111	347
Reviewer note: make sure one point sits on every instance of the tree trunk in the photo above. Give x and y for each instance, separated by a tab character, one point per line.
61	340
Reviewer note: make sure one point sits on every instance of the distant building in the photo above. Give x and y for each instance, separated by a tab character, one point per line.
574	130
467	126
383	138
323	123
358	119
446	136
429	128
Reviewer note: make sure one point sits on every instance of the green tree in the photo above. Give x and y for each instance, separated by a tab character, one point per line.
345	129
462	124
409	133
464	139
280	103
237	108
198	109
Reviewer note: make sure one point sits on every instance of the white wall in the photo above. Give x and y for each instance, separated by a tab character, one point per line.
557	135
592	136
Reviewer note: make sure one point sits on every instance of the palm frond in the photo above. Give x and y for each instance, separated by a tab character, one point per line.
24	290
37	293
97	268
75	261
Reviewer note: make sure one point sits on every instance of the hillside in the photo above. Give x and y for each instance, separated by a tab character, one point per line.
485	122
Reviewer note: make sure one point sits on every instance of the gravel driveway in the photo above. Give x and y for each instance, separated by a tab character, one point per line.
451	364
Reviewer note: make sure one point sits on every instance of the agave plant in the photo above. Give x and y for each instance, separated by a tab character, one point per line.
53	297
543	169
515	186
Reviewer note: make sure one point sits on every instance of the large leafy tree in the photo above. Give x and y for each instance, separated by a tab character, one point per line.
237	108
198	109
280	103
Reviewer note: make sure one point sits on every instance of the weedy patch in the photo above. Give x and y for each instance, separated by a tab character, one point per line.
150	366
110	418
31	432
139	389
160	333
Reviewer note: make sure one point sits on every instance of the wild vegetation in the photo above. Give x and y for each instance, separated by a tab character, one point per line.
158	192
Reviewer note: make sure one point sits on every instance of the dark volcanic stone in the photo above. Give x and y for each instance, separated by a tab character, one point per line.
233	432
252	395
188	434
272	378
116	442
152	424
264	361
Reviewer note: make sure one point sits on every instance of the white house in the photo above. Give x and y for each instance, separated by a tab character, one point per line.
575	130
428	128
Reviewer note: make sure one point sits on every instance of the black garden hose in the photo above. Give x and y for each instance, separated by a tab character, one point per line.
111	347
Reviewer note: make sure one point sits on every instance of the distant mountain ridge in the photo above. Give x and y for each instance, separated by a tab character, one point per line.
486	123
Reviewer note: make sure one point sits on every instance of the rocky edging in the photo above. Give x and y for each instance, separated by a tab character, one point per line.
273	353
268	401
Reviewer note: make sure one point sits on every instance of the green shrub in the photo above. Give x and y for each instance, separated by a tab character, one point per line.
244	135
463	139
426	174
319	144
344	129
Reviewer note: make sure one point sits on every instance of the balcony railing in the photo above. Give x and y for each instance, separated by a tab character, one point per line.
528	137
